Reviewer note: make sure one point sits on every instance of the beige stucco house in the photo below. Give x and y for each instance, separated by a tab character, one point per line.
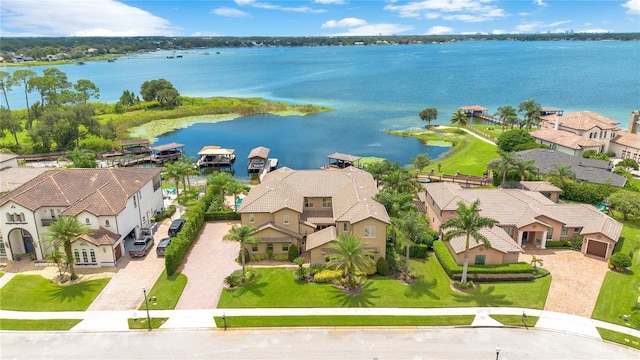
526	220
113	203
311	208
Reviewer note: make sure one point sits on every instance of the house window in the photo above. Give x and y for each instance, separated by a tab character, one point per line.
285	219
106	223
135	201
369	231
93	256
285	247
76	255
252	219
550	233
254	248
480	259
326	202
509	231
84	256
564	231
345	226
576	230
270	248
86	220
452	213
3	251
308	203
9	218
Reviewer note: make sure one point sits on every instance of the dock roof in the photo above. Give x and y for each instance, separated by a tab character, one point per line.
215	150
169	146
344	157
134	142
474	107
259	152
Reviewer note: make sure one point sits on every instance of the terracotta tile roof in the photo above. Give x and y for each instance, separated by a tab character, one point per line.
101	236
497	237
585	120
565	138
627	139
474	107
98	191
321	237
12	177
587	217
6	157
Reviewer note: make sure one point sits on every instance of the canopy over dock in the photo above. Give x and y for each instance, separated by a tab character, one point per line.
215	151
474	110
260	152
166	147
343	160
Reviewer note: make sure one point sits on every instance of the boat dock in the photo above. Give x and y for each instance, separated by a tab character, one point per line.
215	156
477	111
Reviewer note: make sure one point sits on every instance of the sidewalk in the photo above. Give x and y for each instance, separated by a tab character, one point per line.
203	318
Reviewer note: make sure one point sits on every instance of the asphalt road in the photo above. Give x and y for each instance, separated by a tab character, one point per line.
308	344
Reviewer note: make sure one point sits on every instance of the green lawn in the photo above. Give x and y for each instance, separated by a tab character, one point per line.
364	320
275	287
35	293
141	323
515	320
495	130
28	325
167	291
620	338
620	292
470	156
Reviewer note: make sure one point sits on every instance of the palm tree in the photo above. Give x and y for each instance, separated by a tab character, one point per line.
58	257
235	188
400	180
411	224
525	168
351	257
244	235
531	110
188	168
561	172
62	232
395	202
174	171
82	158
503	165
508	115
5	86
219	180
467	223
460	118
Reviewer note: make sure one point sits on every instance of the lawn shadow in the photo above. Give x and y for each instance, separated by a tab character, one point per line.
255	287
362	299
482	295
421	288
71	293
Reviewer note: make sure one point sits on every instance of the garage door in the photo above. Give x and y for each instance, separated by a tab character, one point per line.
597	248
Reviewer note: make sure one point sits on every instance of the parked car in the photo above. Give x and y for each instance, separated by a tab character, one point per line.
141	246
176	226
162	246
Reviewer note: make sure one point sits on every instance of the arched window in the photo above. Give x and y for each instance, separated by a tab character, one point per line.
106	223
22	218
87	221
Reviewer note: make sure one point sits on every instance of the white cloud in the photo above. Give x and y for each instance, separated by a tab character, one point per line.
439	30
462	10
346	22
330	2
594	31
269	6
633	7
230	12
540	3
536	25
206	33
356	27
79	18
499	32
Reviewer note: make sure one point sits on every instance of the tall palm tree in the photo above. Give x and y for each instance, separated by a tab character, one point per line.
460	118
351	257
5	86
531	109
411	224
244	235
235	188
219	180
468	223
188	168
508	115
502	166
561	172
525	168
62	232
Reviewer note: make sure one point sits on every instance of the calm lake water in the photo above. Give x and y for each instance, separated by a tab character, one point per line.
373	88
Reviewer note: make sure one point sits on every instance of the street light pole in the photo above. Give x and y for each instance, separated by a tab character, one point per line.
224	319
146	305
498	349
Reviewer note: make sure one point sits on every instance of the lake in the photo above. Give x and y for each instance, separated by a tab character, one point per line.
373	88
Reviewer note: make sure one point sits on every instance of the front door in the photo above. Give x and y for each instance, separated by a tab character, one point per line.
27	240
525	236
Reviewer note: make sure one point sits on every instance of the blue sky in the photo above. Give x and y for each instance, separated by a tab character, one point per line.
312	17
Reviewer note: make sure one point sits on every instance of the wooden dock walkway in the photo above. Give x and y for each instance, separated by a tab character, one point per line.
462	179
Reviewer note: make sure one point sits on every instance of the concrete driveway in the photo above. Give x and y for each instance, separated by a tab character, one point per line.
576	280
124	291
210	261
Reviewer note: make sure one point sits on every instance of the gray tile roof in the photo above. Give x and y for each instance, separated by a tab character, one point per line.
321	237
498	239
589	170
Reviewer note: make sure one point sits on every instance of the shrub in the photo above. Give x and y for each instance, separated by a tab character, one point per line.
382	267
452	268
369	270
254	257
418	251
620	261
588	193
281	257
299	261
446	260
293	252
326	276
301	273
509	139
558	244
167	213
576	243
428	237
316	268
270	253
393	259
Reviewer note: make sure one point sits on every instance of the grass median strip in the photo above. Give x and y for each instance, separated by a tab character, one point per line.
50	324
141	323
620	338
344	320
516	320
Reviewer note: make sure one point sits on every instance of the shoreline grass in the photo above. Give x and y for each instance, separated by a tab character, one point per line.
343	320
38	325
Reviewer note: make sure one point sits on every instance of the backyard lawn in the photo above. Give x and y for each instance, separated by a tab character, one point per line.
35	293
470	156
275	287
167	291
620	292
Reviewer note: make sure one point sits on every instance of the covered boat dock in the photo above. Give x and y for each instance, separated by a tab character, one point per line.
167	152
214	155
341	161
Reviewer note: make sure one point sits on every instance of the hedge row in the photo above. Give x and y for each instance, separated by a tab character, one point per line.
221	215
167	213
180	245
418	251
452	268
496	277
558	244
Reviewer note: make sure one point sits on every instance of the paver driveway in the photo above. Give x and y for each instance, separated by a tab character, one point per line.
211	260
576	280
124	291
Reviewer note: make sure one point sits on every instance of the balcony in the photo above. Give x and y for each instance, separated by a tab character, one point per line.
47	222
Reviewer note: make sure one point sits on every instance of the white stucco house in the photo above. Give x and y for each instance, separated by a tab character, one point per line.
113	203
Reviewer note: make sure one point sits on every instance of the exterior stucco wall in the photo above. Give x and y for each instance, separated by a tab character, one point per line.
293	217
492	256
601	238
380	239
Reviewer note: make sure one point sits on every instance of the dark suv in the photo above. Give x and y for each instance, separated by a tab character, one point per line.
162	246
176	226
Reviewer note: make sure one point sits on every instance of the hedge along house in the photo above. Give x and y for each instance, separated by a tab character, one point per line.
311	208
113	203
526	219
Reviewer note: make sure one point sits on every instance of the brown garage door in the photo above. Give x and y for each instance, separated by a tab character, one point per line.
596	248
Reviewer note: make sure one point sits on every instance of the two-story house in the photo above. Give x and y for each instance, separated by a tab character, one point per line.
311	208
526	219
113	203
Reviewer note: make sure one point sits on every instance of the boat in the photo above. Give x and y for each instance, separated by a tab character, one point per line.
178	56
213	155
80	63
171	56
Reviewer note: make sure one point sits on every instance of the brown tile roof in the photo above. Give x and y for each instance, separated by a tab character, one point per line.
98	191
627	139
539	186
11	178
445	194
282	229
585	120
6	157
497	237
474	107
321	237
101	236
259	152
565	138
344	157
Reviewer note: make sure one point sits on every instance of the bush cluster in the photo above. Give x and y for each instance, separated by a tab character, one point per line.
382	267
166	214
327	276
293	252
551	244
418	251
588	193
281	257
